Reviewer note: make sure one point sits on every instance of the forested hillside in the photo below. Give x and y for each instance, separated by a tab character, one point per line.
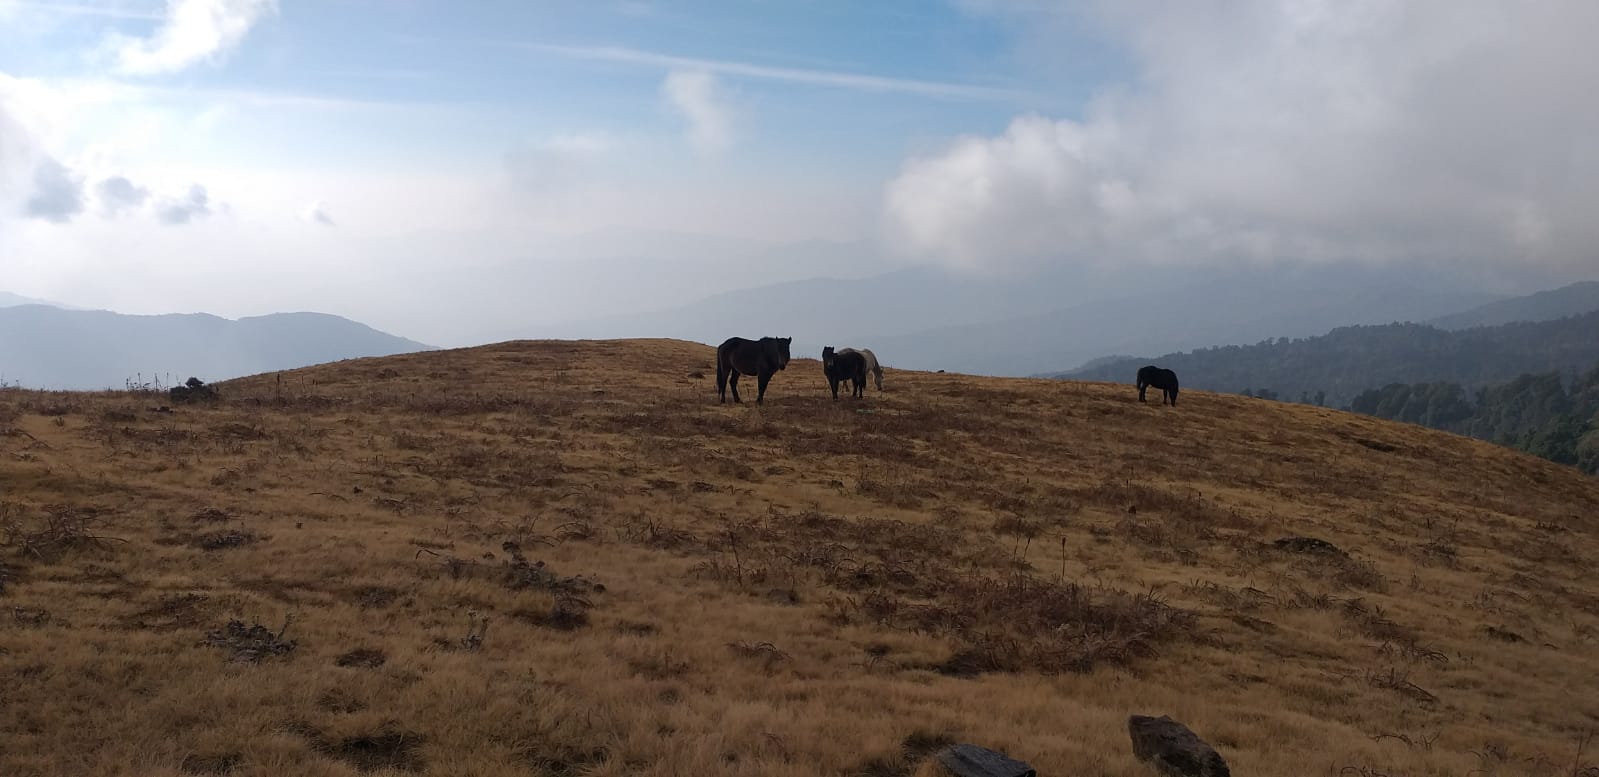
1543	414
1347	361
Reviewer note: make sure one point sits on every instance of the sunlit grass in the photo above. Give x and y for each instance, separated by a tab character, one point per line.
567	558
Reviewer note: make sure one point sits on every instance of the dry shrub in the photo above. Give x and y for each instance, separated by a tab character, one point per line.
252	643
62	530
566	613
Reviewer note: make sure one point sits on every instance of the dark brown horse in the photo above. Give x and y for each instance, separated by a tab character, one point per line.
1165	380
761	358
842	366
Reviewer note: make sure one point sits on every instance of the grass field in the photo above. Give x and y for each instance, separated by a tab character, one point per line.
519	559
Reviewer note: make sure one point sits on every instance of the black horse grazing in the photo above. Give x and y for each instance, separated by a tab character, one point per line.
761	358
1165	380
839	367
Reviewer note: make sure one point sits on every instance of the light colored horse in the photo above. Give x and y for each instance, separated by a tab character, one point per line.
871	364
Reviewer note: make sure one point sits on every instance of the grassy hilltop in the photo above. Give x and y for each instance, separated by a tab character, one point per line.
564	558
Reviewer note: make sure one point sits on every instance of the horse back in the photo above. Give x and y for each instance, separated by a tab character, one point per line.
865	353
849	364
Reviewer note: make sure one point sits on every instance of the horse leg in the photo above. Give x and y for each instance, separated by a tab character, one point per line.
763	378
721	380
732	383
1141	388
832	383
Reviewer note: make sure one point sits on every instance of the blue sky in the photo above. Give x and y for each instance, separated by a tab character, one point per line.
845	84
243	156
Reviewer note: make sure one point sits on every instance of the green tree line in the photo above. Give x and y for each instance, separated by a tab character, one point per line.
1547	414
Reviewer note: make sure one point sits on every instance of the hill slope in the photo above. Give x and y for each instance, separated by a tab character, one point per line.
47	347
1349	360
1571	300
673	586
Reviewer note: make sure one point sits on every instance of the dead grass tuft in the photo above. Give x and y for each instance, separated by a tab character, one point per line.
390	748
211	763
235	538
362	658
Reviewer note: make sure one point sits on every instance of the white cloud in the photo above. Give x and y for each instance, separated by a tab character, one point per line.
699	98
192	31
118	195
1324	131
317	213
182	210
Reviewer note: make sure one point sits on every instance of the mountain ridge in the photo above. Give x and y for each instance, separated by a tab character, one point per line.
1348	360
47	347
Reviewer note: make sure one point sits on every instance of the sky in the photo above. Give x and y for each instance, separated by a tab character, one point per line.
446	170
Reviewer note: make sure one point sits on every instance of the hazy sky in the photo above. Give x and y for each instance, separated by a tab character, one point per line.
441	169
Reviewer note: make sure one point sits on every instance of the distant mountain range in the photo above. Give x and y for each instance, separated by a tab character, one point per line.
42	346
9	300
1348	360
1572	300
929	319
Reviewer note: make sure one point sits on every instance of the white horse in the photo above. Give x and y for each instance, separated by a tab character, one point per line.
871	364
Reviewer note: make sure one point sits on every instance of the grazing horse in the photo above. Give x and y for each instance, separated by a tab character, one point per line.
761	358
871	363
1165	380
842	366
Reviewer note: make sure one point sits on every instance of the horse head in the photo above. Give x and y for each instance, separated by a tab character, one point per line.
827	358
782	350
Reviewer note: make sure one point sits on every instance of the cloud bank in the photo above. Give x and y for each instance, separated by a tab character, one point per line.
118	195
191	32
1362	130
57	192
182	210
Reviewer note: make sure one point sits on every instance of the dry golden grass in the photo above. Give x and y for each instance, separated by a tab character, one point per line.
516	559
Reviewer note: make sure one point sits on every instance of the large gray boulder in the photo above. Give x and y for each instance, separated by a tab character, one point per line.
1173	750
973	761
